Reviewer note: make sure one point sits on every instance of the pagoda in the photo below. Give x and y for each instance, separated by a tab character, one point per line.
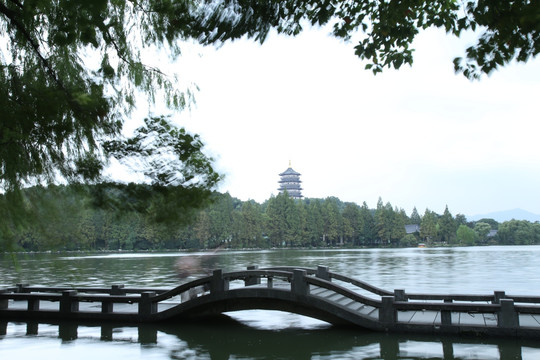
290	181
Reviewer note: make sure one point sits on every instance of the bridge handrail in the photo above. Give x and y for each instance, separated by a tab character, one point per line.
452	297
473	297
260	273
458	307
462	307
87	290
230	276
290	269
333	275
343	291
79	297
360	284
525	299
181	289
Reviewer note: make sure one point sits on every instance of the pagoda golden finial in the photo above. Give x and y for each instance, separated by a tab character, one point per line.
289	163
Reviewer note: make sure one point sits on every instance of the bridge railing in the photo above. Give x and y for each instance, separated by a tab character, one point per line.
506	307
322	272
116	289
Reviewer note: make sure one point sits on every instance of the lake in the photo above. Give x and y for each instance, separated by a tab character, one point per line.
269	334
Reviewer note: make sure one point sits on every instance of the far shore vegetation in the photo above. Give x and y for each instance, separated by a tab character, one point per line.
72	221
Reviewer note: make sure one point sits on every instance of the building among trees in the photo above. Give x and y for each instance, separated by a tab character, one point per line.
290	181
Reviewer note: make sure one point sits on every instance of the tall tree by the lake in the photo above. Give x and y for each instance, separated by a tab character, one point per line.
70	72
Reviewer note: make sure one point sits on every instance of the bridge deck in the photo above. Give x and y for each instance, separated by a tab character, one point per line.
313	292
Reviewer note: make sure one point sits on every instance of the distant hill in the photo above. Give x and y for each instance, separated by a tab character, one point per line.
501	216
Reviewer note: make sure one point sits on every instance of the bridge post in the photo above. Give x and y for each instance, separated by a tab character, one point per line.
21	288
33	305
270	282
146	305
387	312
3	302
107	307
446	315
252	280
508	316
497	296
118	289
299	284
218	284
68	302
322	273
399	295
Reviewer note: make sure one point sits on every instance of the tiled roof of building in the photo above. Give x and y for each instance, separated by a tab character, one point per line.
412	228
289	171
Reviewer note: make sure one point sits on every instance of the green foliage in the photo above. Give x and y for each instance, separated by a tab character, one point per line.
408	240
519	232
67	220
333	221
507	30
428	226
389	223
466	236
63	112
351	223
460	219
283	221
493	223
367	228
447	226
415	217
59	106
482	229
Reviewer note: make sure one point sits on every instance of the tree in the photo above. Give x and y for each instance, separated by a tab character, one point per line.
428	226
332	221
58	105
351	222
482	230
251	225
466	236
518	232
460	219
367	232
202	229
315	222
283	223
389	223
69	73
506	30
383	221
415	217
492	222
221	215
447	226
408	241
70	70
398	225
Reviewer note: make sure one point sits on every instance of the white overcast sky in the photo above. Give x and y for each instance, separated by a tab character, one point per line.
420	136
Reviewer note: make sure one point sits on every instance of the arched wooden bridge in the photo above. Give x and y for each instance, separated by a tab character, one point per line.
318	293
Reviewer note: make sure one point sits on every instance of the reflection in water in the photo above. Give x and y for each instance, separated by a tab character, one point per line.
221	338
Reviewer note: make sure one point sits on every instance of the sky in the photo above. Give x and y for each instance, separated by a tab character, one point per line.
419	136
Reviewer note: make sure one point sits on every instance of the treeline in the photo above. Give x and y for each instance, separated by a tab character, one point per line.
70	221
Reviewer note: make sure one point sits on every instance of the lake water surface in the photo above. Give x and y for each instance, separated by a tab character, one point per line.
269	334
